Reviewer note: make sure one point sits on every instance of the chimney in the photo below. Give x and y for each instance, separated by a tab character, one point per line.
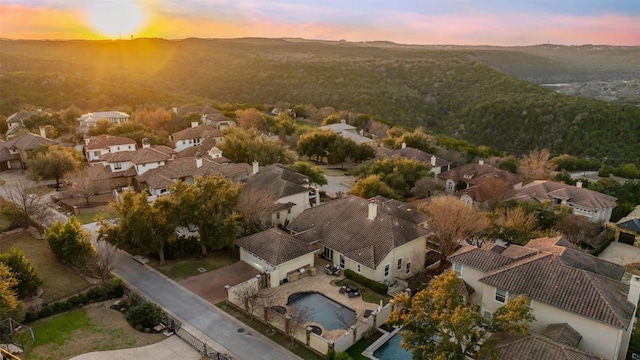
579	184
146	144
634	290
317	197
433	160
343	121
481	162
361	132
43	132
198	160
404	145
256	167
175	110
373	211
194	123
39	109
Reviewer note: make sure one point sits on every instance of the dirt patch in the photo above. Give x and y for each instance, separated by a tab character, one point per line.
109	330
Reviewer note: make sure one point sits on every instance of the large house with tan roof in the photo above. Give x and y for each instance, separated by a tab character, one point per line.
564	284
195	136
379	239
14	153
349	132
97	146
86	121
584	202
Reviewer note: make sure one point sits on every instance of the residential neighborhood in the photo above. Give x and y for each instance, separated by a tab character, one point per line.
290	248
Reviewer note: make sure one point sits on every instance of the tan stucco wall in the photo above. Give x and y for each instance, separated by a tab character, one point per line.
302	202
597	337
413	250
279	272
471	277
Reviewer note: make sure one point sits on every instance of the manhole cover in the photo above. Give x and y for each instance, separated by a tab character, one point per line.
241	330
201	269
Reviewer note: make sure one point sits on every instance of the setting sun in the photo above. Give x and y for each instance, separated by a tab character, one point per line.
121	18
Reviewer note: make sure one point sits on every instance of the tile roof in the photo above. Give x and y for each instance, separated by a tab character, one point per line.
343	226
538	347
104	141
198	132
563	333
480	259
631	221
180	168
95	116
416	154
103	172
472	173
275	246
189	109
276	180
544	190
27	141
24	115
140	156
546	278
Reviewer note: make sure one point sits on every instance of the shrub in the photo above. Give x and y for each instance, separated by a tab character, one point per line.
78	300
144	315
30	316
114	288
96	293
45	312
373	285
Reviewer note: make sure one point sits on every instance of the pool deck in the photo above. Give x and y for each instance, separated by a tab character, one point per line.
321	283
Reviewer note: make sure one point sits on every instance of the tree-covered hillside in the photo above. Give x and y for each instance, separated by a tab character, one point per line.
450	91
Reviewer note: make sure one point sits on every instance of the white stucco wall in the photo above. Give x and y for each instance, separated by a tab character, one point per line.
125	165
413	251
143	168
597	337
301	201
471	277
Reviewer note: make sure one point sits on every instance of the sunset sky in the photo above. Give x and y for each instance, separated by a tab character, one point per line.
463	22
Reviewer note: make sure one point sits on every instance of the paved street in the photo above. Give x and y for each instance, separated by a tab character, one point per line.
191	309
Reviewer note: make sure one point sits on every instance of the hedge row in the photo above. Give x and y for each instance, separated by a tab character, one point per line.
380	288
109	290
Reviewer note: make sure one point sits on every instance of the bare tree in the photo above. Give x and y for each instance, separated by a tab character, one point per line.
30	208
83	183
536	165
514	225
579	229
426	186
493	191
269	304
248	294
452	221
253	205
105	260
297	318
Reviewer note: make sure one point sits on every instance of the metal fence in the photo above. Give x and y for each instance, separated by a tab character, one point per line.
189	338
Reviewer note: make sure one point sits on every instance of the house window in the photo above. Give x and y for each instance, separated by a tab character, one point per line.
341	261
501	295
450	185
117	166
458	268
289	211
408	268
96	153
118	148
358	268
386	270
399	264
278	215
328	253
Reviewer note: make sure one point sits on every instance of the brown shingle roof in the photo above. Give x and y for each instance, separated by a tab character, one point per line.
140	156
27	141
198	132
276	180
275	246
538	347
472	173
563	333
104	141
543	190
343	226
545	278
180	168
483	260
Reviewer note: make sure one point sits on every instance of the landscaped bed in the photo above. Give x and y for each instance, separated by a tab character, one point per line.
183	268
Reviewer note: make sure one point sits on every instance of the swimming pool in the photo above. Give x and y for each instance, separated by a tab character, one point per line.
391	350
330	314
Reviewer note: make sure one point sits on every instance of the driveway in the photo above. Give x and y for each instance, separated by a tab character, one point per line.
210	285
621	254
173	348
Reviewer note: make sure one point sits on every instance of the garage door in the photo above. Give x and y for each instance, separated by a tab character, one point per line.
626	238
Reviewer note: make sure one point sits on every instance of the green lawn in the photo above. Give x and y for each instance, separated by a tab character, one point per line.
58	329
59	280
184	268
87	218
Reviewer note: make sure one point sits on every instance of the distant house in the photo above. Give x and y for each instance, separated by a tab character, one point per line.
565	286
14	153
584	202
628	228
465	180
95	147
195	136
379	239
86	121
286	190
15	122
281	256
438	164
141	160
350	132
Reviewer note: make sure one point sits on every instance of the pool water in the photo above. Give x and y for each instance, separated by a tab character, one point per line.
391	350
324	311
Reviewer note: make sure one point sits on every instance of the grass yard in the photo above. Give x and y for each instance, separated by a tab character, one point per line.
277	337
59	280
184	268
80	331
87	218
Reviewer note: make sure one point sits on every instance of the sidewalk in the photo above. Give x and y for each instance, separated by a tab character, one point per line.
172	348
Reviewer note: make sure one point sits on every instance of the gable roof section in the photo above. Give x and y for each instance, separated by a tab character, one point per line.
20	116
480	259
472	173
536	347
27	141
545	278
140	156
176	169
631	221
200	131
95	116
104	141
278	181
543	190
275	246
343	226
563	333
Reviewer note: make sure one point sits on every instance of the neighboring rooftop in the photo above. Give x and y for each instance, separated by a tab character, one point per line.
140	156
631	221
95	116
278	181
180	168
104	141
416	154
275	246
472	173
196	132
545	190
538	347
26	142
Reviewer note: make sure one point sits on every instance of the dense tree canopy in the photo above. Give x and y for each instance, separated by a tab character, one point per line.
24	272
10	305
53	162
399	174
70	242
247	146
